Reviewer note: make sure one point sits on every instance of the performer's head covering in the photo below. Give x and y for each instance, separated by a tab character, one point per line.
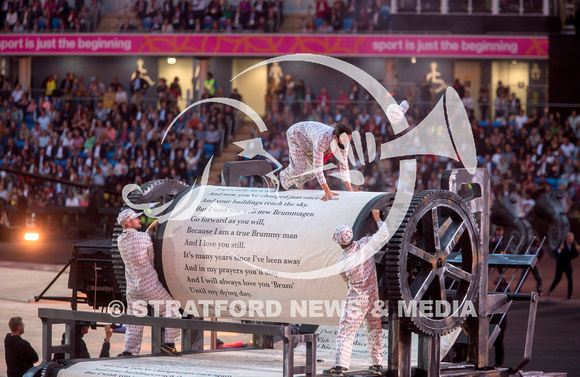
126	215
342	235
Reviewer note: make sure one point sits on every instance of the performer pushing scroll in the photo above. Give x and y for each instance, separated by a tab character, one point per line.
361	297
309	144
136	249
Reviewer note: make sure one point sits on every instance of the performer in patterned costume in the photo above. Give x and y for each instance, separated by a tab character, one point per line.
360	300
309	145
136	249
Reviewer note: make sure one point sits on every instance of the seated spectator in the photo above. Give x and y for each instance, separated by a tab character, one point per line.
271	21
126	25
237	20
261	8
167	27
325	27
83	19
513	106
199	8
43	120
192	160
214	10
11	17
323	99
71	20
227	10
262	26
520	120
215	26
245	9
361	21
469	103
252	21
71	200
322	10
141	8
121	95
189	18
177	21
167	8
336	18
18	27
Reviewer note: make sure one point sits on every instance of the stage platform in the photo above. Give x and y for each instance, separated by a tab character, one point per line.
236	363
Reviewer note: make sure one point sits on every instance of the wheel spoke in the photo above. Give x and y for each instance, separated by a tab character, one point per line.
421	254
421	283
454	238
442	287
458	274
438	226
443	228
430	225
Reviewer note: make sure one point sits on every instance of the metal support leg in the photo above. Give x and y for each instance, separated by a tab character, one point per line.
191	340
399	363
156	340
73	337
67	339
477	330
529	334
197	340
47	340
429	363
311	355
185	340
290	341
288	364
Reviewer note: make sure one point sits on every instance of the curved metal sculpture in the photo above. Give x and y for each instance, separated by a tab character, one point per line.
517	229
437	225
549	208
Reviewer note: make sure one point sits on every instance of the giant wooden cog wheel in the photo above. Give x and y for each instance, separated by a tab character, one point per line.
437	225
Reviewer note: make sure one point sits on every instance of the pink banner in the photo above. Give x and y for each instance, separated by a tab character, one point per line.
273	45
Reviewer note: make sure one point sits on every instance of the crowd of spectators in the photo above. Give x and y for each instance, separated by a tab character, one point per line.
348	16
216	15
375	15
200	15
84	134
55	15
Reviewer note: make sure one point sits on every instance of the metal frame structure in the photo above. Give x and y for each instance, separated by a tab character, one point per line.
487	304
50	317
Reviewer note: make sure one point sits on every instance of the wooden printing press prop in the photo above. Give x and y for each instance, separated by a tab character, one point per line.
439	243
437	253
